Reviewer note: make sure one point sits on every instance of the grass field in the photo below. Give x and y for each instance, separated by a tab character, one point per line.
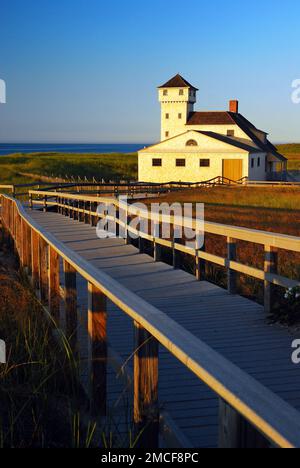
287	198
107	166
292	152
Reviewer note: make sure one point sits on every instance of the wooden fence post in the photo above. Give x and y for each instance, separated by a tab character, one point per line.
270	266
146	410
236	432
157	247
175	240
35	259
43	269
199	262
26	245
97	346
231	274
54	285
71	305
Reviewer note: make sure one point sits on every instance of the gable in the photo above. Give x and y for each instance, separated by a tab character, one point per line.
204	143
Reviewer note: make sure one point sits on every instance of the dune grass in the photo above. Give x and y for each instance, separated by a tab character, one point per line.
42	404
286	198
292	152
107	166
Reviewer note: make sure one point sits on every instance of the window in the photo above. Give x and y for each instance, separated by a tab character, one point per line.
230	133
167	116
204	162
156	162
258	162
252	163
181	92
180	162
191	143
165	93
180	116
167	134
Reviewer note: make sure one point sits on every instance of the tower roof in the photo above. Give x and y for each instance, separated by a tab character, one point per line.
178	82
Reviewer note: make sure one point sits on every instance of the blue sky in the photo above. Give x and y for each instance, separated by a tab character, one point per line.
87	70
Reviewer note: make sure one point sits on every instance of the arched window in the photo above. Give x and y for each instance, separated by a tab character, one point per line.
191	143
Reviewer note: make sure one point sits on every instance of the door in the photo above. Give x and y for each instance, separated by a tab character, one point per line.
233	169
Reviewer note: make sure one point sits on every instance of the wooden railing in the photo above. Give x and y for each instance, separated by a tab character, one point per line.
84	207
242	399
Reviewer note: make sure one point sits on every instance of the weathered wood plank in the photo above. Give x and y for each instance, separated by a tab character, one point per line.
146	411
71	305
43	269
54	285
97	349
35	259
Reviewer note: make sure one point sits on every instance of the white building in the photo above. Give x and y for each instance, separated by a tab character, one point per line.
199	146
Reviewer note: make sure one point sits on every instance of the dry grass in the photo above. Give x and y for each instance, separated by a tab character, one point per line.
262	209
287	198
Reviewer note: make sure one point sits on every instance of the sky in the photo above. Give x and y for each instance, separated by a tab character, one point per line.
87	70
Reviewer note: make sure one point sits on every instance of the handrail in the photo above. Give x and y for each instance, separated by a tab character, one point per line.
280	241
271	241
272	416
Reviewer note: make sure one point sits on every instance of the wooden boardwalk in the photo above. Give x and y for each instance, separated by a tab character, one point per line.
233	326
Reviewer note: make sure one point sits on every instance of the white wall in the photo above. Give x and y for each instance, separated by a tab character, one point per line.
257	172
192	172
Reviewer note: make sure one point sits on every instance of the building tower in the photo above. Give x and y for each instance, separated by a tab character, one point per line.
177	98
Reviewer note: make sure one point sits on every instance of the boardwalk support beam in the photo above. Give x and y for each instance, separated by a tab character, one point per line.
97	350
146	411
236	432
71	305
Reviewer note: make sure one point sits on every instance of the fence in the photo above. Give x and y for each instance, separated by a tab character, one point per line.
84	207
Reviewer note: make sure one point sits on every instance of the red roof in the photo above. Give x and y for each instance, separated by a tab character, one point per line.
178	82
210	118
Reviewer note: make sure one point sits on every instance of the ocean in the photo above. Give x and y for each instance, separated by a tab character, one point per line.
9	148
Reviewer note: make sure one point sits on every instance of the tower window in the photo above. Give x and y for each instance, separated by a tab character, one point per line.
181	92
230	133
191	143
252	163
204	162
180	116
167	134
180	162
167	116
156	162
165	93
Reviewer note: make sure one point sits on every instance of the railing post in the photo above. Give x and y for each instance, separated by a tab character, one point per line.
43	269
236	432
231	274
26	249
157	247
35	260
270	266
31	201
200	263
127	235
45	204
175	240
146	410
71	305
97	347
141	245
54	285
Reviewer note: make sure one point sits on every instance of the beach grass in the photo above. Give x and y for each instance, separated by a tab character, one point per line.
116	166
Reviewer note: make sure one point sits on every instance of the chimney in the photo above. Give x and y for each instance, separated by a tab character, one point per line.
234	106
